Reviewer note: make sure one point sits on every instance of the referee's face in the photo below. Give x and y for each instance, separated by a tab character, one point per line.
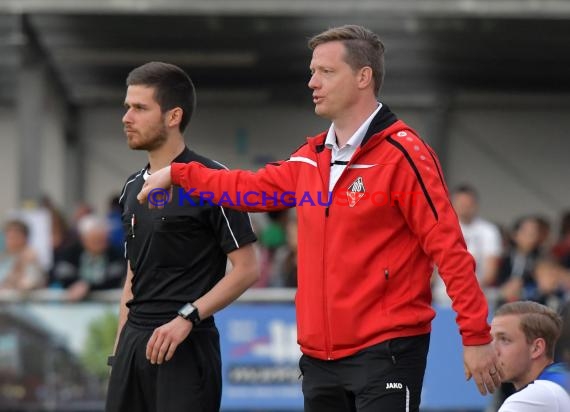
143	121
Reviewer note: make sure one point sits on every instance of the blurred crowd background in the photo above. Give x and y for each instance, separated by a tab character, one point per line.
527	259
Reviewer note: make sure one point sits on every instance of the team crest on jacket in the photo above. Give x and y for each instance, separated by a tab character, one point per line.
355	191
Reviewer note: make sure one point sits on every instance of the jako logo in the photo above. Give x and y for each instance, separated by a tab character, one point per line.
393	385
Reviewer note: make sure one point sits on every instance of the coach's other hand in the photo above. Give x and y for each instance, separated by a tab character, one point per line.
482	365
156	184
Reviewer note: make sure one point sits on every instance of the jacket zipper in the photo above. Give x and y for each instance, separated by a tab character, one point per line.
355	155
327	213
328	348
325	302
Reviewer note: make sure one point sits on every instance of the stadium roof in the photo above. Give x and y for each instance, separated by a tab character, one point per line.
255	50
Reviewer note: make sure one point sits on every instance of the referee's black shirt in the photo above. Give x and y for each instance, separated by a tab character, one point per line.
177	253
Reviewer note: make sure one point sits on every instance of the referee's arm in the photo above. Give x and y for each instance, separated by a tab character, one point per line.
244	273
166	338
123	309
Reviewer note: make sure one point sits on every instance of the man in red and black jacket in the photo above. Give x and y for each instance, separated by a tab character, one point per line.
373	217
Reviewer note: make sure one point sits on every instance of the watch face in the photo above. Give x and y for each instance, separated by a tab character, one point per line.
187	310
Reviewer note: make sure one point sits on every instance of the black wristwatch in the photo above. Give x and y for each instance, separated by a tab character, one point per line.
190	312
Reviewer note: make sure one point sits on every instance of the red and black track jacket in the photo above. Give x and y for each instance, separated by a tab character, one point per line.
365	258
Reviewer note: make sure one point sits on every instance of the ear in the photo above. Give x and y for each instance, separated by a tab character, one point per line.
174	117
364	77
537	348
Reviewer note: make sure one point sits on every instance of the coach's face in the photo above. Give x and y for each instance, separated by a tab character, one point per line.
143	122
336	86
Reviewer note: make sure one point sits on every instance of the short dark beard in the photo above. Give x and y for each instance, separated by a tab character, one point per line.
155	143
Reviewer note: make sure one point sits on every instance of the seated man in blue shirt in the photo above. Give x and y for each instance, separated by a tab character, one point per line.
525	334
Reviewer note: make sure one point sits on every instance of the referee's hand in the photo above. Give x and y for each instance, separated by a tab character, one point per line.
156	190
166	338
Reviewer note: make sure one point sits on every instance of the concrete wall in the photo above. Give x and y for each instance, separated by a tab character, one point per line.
53	161
8	160
517	158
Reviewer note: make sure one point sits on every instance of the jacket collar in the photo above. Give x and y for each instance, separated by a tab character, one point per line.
382	122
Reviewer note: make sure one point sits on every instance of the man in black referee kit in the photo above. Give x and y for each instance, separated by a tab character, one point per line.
167	352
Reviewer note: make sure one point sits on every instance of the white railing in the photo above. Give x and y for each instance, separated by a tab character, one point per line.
114	295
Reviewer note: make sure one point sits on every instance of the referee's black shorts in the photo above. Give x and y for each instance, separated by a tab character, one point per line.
386	377
190	381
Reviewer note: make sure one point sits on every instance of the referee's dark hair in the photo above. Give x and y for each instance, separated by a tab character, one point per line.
173	87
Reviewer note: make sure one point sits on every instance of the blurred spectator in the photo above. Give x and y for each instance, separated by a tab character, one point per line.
288	272
81	210
273	235
59	231
544	233
550	285
116	232
561	250
563	346
516	270
63	242
272	238
19	265
61	234
284	263
482	237
97	267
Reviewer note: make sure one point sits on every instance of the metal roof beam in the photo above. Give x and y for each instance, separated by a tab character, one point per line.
457	8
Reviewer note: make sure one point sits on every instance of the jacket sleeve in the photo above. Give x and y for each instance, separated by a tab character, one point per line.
270	188
428	212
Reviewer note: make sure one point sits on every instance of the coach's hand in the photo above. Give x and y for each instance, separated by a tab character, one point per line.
166	338
157	186
482	364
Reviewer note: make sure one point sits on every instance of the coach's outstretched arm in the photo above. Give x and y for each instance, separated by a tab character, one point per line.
275	179
432	219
